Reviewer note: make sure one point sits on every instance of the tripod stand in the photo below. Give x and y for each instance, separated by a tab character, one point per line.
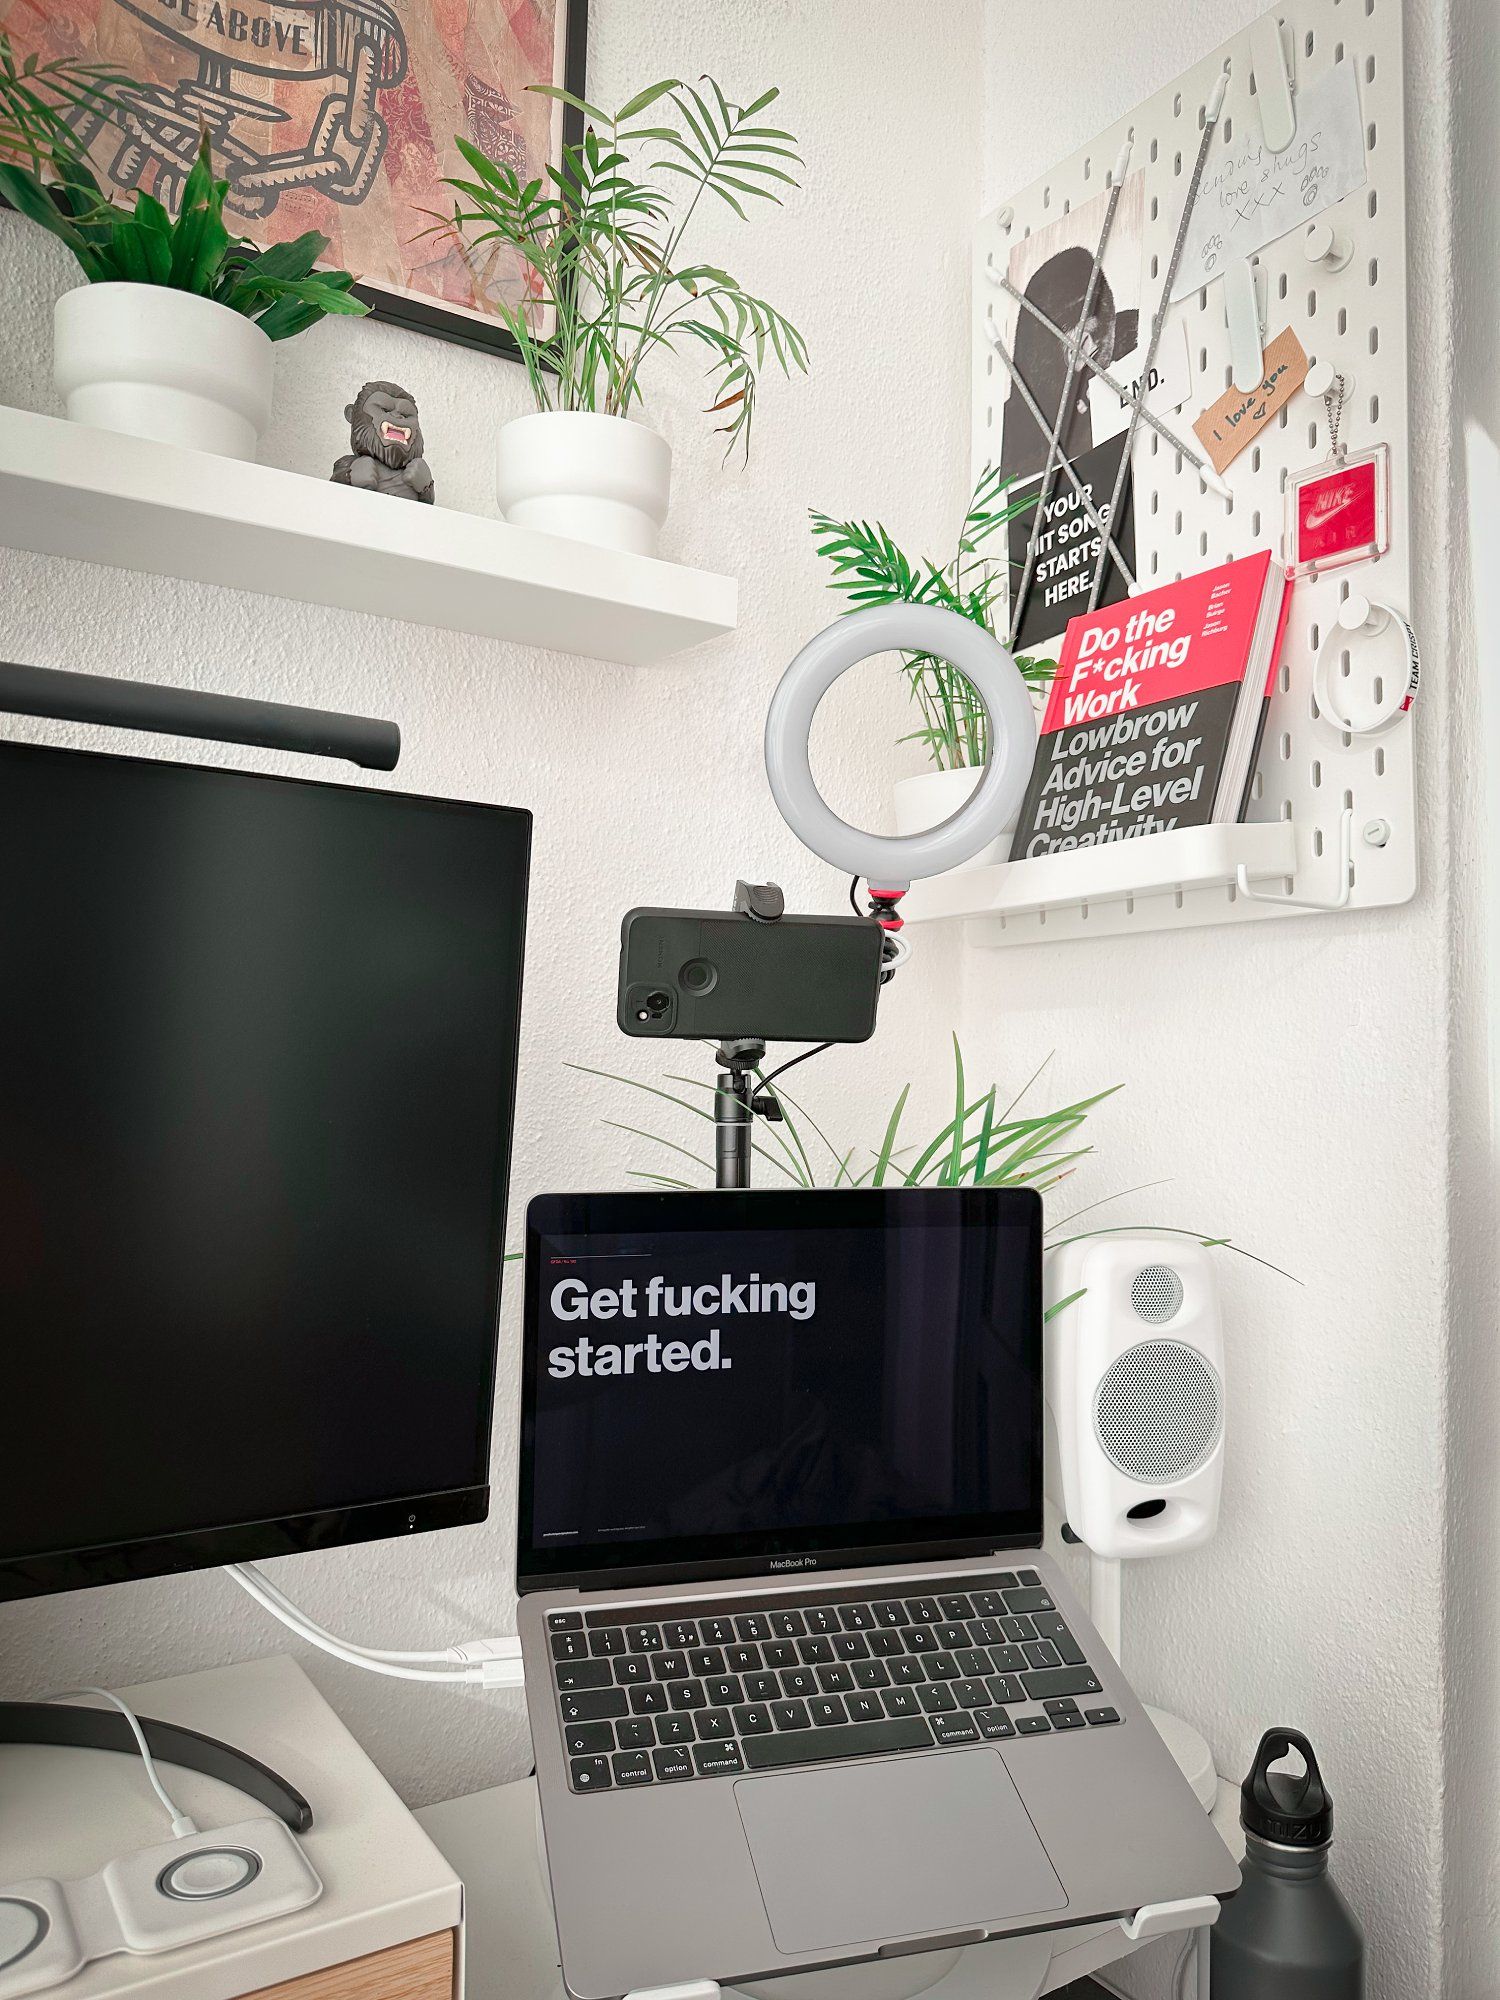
736	1104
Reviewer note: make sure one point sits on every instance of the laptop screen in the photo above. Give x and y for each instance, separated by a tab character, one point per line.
763	1381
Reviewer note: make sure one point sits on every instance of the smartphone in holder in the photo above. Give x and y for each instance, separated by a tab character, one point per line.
705	975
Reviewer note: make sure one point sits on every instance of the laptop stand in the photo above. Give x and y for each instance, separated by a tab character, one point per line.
842	1982
1152	1920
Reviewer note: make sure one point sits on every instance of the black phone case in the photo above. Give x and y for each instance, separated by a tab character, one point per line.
715	974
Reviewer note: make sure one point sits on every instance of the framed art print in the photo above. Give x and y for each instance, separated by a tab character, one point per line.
335	115
1338	512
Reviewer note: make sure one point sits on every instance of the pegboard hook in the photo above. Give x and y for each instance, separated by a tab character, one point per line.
1272	64
1346	888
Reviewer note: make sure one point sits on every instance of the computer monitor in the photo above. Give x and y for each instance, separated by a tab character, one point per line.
257	1069
734	1383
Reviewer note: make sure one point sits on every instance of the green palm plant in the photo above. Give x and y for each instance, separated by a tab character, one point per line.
984	1142
603	241
36	98
45	176
870	568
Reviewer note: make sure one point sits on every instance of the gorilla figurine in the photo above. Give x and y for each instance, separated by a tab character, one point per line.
387	440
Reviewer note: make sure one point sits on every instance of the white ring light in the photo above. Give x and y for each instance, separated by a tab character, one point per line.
886	862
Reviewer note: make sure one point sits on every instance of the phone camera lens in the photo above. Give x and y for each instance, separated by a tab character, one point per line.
657	1004
698	976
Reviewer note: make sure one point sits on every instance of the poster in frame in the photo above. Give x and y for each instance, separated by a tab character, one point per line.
334	115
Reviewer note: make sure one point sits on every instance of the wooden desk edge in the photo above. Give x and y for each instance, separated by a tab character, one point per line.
424	1968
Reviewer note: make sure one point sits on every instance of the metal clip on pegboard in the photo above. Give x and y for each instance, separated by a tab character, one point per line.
1332	810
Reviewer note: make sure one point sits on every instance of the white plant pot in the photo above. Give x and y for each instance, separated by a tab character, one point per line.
928	800
593	478
162	364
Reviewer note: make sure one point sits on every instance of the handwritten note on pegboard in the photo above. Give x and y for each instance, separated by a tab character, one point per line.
1250	195
1227	426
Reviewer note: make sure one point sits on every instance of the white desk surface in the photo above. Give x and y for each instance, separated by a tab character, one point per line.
66	1812
510	1950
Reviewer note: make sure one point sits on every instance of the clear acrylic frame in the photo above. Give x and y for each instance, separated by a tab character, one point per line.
1338	512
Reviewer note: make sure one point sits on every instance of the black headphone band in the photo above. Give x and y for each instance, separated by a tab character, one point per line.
106	1729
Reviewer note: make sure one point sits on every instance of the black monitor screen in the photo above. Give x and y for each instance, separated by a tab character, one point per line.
759	1379
257	1057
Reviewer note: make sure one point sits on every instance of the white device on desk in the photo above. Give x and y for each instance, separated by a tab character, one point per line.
178	1893
391	1915
1135	1391
195	1886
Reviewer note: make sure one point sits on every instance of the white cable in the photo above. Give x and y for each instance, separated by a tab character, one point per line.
1192	1958
310	1624
1179	1970
492	1671
471	1652
315	1636
181	1823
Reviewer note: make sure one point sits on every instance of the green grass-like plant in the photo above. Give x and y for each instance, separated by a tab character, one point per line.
602	236
45	177
984	1142
870	568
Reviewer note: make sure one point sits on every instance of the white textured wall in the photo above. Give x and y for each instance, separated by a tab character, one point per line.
1291	1079
646	785
1472	1804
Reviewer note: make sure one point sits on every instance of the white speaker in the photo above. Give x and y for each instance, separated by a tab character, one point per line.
1135	1390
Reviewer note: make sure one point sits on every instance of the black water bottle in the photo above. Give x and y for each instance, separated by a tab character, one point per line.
1288	1934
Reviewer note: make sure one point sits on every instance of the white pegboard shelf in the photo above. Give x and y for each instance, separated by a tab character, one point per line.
68	490
1312	780
1095	878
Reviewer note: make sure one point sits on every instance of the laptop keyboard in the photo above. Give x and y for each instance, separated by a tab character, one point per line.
650	1697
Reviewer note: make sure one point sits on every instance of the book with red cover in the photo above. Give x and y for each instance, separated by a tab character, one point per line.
1156	713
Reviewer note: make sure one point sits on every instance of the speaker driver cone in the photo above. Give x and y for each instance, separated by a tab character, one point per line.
1158	1410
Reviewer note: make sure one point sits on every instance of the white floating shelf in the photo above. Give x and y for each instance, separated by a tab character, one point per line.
67	490
1101	880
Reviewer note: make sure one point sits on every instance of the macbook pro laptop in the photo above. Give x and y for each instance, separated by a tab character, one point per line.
803	1688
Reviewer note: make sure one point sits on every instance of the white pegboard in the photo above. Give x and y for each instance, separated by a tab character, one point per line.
1356	318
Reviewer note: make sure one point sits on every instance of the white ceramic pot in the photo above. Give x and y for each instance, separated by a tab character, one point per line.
937	795
593	478
162	364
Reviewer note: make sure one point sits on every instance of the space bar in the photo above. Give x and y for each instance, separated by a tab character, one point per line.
855	1739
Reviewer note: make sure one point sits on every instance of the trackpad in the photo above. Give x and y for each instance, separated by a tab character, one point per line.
872	1852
